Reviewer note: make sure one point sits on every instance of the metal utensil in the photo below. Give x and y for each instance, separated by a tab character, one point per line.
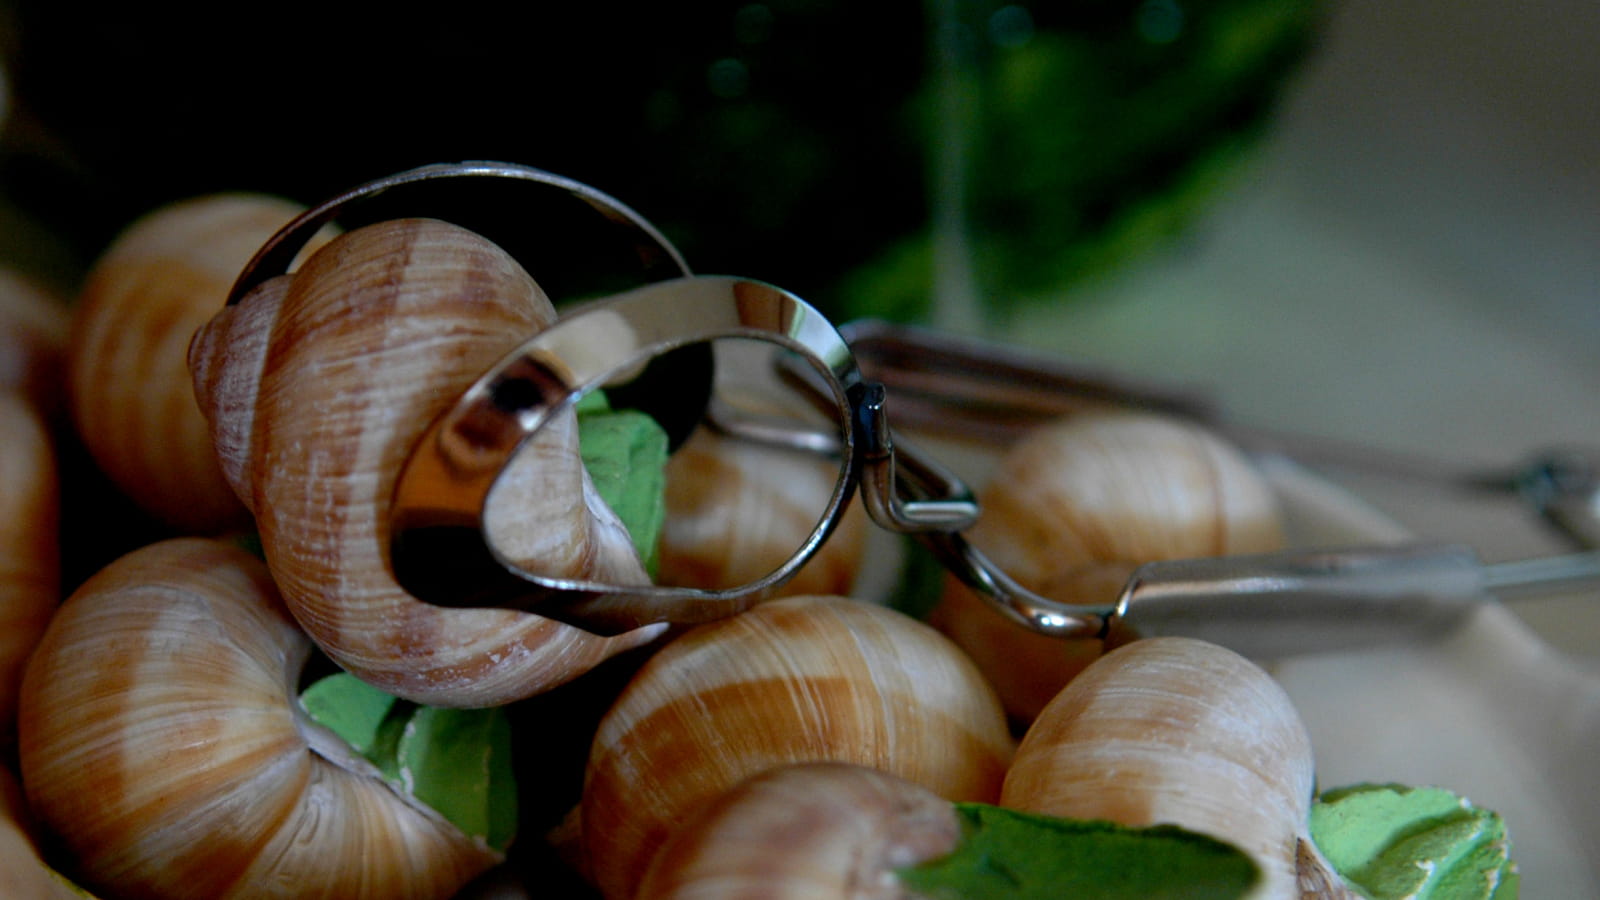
867	373
992	392
1293	602
1269	605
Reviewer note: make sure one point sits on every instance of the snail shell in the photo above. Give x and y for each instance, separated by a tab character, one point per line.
798	679
318	384
1118	489
739	507
30	571
128	381
737	510
1178	731
162	744
809	830
1073	508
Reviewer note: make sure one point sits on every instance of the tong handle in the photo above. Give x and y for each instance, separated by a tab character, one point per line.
1281	604
994	392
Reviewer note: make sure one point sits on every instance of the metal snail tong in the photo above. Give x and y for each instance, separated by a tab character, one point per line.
669	346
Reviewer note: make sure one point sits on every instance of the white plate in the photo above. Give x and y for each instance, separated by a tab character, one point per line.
1491	712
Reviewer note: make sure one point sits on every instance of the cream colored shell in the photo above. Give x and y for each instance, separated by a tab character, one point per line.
799	679
1177	731
163	746
1073	508
737	510
30	550
1118	489
820	831
317	386
128	381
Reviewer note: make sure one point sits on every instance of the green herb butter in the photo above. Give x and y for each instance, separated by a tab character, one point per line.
625	452
1022	856
457	761
1394	842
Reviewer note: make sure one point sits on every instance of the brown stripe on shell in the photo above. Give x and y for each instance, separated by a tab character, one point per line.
175	765
130	393
797	679
1315	876
373	338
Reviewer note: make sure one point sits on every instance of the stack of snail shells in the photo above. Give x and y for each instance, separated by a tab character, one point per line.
162	751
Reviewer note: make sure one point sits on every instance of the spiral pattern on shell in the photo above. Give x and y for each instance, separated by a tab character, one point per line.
1176	731
163	745
798	679
318	384
809	830
128	382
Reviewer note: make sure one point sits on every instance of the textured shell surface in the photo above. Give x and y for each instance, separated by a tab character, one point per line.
798	679
128	383
162	744
317	386
1121	487
737	510
30	571
739	507
1075	506
823	830
1177	731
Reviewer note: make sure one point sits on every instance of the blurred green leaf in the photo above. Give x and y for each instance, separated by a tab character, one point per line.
625	452
1093	143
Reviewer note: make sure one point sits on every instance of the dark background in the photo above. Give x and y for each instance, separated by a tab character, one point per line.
787	141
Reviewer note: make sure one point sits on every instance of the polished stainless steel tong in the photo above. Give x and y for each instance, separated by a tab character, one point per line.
865	377
994	392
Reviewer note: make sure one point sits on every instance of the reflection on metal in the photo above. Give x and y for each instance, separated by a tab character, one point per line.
651	348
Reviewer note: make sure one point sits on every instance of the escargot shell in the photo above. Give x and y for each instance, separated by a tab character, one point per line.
128	381
737	510
798	679
23	874
1113	490
318	384
162	744
808	830
1073	508
1178	731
